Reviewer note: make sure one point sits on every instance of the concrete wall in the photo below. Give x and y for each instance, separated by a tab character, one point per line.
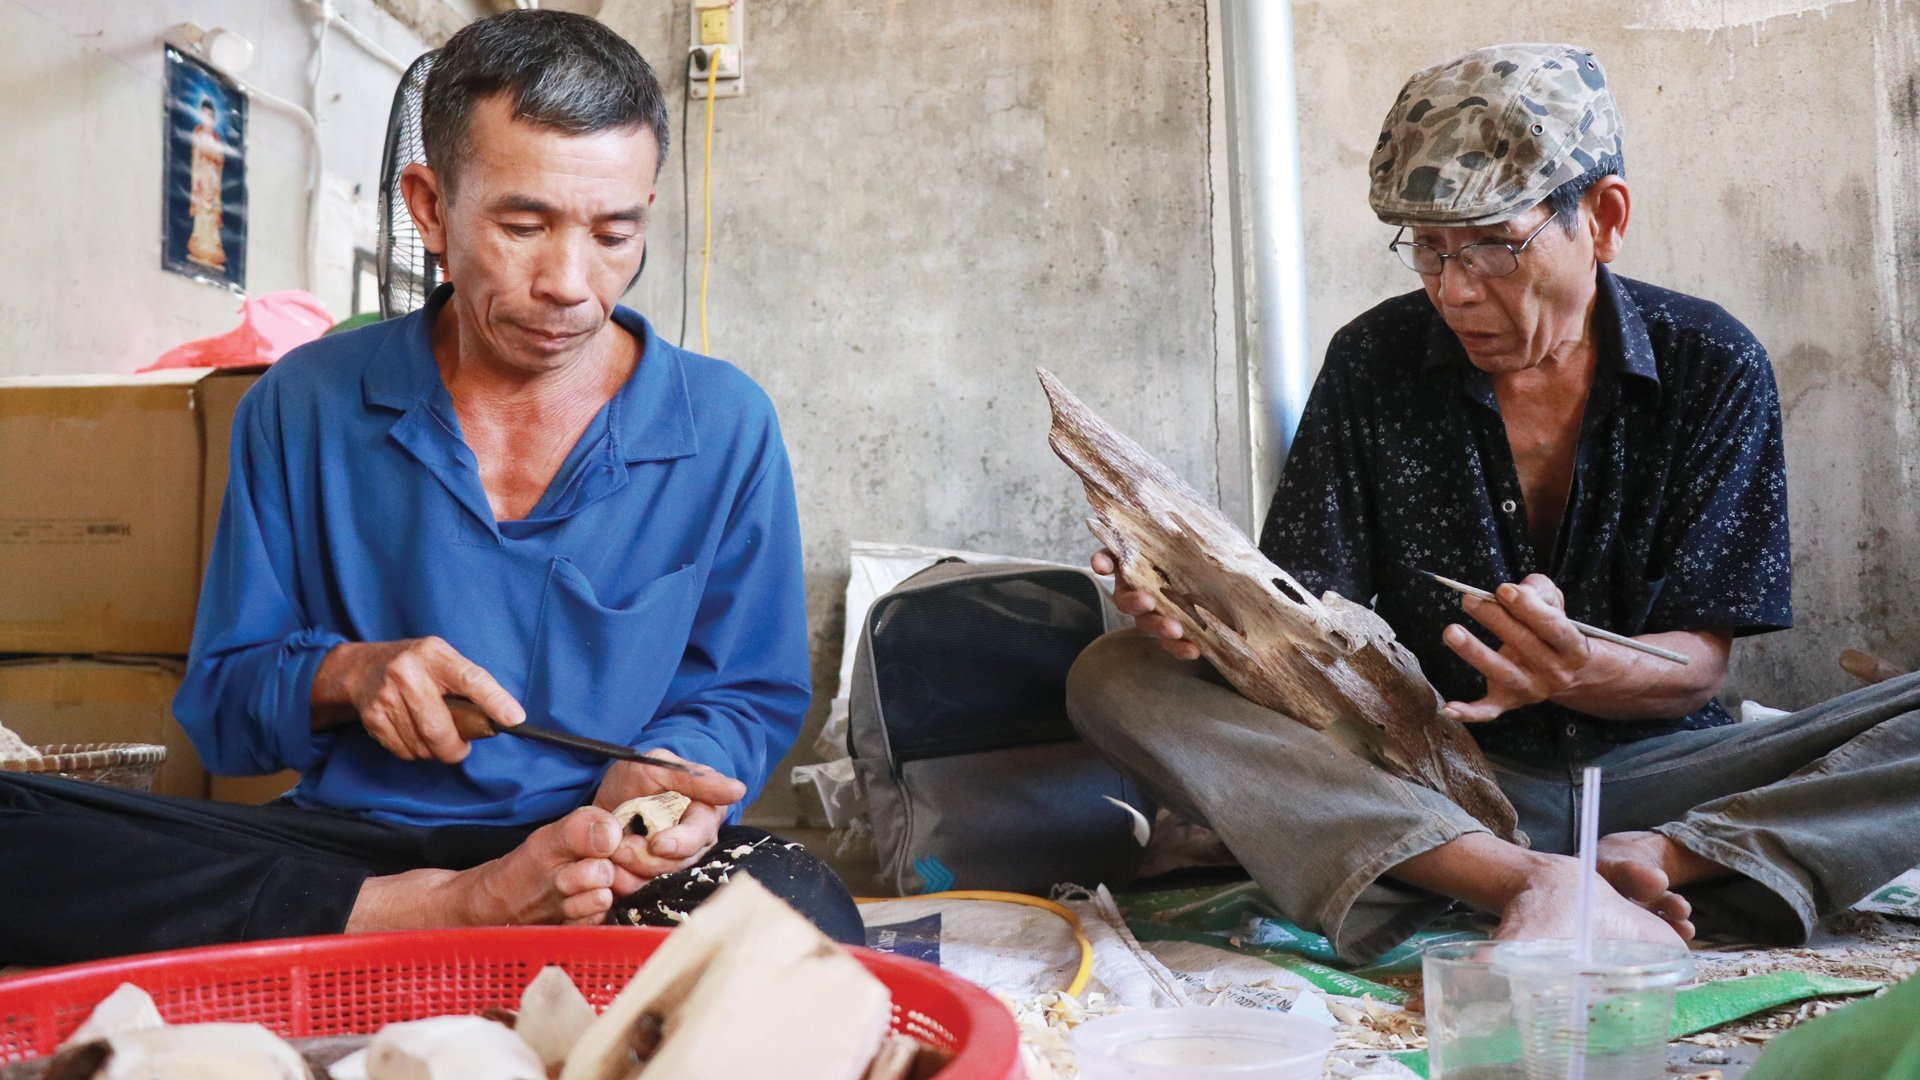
1771	149
81	215
914	205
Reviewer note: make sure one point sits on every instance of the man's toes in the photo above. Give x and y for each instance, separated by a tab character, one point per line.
1639	882
587	833
1672	907
626	882
584	876
587	907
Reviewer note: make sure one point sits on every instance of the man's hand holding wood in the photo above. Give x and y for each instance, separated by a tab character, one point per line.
642	858
1164	629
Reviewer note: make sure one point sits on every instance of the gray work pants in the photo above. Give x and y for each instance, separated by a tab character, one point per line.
1812	811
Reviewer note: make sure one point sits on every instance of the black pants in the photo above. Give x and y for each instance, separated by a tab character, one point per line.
88	871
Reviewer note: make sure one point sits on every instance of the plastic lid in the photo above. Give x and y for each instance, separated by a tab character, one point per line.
1201	1043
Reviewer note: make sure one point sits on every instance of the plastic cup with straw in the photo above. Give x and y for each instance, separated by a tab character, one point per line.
1592	1009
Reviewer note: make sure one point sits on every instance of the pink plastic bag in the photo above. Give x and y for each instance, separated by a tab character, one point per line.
270	325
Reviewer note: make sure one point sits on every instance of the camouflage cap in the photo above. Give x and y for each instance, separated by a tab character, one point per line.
1480	139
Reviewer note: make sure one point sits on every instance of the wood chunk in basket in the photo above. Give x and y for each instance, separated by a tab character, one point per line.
745	987
202	1051
553	1015
451	1048
128	1008
15	748
903	1057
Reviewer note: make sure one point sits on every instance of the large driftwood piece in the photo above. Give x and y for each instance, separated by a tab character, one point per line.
1329	663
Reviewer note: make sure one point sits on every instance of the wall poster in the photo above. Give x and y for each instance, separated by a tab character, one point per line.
204	182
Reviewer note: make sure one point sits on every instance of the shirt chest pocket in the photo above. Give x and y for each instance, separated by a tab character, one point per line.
600	670
1636	585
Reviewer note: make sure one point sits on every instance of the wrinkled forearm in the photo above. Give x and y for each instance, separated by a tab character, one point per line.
1621	684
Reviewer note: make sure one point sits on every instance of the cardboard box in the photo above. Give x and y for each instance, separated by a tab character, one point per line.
109	490
48	700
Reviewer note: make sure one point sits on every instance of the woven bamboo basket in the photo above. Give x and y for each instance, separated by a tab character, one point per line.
126	765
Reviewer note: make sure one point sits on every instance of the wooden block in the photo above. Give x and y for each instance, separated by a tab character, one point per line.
745	987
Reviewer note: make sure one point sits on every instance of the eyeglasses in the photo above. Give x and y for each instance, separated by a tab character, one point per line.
1487	258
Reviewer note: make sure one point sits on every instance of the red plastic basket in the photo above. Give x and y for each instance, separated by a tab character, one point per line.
349	985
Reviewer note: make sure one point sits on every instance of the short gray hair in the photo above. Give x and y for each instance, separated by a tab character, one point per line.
560	70
1562	201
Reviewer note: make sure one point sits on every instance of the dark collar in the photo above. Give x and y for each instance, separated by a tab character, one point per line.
651	417
1620	335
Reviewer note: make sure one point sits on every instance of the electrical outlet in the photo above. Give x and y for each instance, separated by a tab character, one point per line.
727	81
717	34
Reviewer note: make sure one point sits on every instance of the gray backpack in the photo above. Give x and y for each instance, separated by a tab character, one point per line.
958	728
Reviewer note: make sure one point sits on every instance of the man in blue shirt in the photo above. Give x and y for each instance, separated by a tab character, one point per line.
520	495
1599	449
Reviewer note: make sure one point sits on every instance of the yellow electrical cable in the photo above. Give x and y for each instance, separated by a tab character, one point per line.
1080	974
706	197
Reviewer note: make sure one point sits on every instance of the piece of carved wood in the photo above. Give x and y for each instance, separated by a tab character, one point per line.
1329	663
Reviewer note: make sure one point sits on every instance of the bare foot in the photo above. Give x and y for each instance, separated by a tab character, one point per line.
1646	867
1547	906
563	873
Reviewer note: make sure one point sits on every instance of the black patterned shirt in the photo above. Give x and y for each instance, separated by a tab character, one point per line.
1676	519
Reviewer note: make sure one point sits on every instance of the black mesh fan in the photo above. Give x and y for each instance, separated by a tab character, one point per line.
407	272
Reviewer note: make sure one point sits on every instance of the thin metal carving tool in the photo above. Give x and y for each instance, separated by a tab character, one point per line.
1590	631
474	723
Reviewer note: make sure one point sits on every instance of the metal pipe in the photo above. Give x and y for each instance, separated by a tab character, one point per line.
1268	242
331	19
310	273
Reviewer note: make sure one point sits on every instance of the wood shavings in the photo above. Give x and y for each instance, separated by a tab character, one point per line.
1366	1024
1044	1022
742	851
1865	946
1860	945
1142	828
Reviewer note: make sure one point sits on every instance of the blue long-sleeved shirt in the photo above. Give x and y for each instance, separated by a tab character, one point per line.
653	597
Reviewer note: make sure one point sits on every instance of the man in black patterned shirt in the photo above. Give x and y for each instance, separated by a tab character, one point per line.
1606	451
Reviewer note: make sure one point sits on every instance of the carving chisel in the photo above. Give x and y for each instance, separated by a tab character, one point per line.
1590	631
474	723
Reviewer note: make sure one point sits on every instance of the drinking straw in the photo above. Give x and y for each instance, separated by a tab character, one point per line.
1589	859
1583	943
